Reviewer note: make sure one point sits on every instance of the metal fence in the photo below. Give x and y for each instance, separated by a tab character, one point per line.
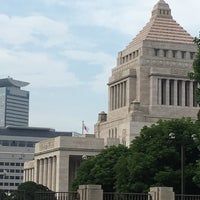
57	196
126	196
187	197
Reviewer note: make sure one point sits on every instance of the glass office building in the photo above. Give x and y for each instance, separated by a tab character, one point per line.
14	103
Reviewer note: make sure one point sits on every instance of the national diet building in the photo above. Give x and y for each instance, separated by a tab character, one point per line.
150	81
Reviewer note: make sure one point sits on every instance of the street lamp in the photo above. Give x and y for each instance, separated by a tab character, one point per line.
173	136
182	143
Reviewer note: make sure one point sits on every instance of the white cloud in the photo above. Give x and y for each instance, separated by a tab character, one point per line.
95	58
37	30
105	61
37	68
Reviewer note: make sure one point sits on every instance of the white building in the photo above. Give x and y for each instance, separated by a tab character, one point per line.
149	83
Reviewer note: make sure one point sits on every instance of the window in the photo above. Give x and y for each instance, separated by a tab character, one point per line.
179	93
6	163
22	144
183	53
5	143
156	52
17	164
192	54
13	143
165	53
187	93
163	91
174	53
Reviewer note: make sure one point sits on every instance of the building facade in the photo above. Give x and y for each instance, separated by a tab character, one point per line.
14	103
150	81
56	160
17	145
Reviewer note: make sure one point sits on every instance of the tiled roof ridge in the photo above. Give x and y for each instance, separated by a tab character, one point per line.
162	27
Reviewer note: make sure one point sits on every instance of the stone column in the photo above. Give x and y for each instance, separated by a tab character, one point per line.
41	171
62	172
29	174
36	173
25	174
175	92
159	92
49	175
90	192
53	186
45	169
154	91
191	93
162	193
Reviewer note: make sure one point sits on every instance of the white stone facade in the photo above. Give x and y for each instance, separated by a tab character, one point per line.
56	160
150	81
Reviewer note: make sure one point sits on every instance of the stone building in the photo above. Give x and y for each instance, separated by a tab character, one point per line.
150	80
149	83
56	160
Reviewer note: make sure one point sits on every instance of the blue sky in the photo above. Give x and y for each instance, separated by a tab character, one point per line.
66	49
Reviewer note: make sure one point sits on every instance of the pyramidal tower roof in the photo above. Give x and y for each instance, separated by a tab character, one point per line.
162	27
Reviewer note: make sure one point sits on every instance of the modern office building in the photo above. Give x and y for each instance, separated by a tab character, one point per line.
17	145
150	81
14	103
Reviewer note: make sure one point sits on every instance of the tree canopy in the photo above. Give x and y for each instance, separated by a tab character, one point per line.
30	188
153	159
100	169
195	75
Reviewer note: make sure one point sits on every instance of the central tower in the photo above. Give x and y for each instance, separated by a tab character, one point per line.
150	80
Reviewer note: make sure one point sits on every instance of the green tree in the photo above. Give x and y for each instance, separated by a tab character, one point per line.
155	159
101	168
30	188
195	75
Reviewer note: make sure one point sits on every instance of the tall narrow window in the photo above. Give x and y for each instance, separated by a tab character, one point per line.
174	52
171	92
183	53
179	93
194	94
187	93
163	91
156	52
165	53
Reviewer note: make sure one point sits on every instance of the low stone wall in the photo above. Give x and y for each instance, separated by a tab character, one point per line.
95	192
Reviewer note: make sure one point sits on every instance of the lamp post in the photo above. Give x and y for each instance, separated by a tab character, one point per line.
181	142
